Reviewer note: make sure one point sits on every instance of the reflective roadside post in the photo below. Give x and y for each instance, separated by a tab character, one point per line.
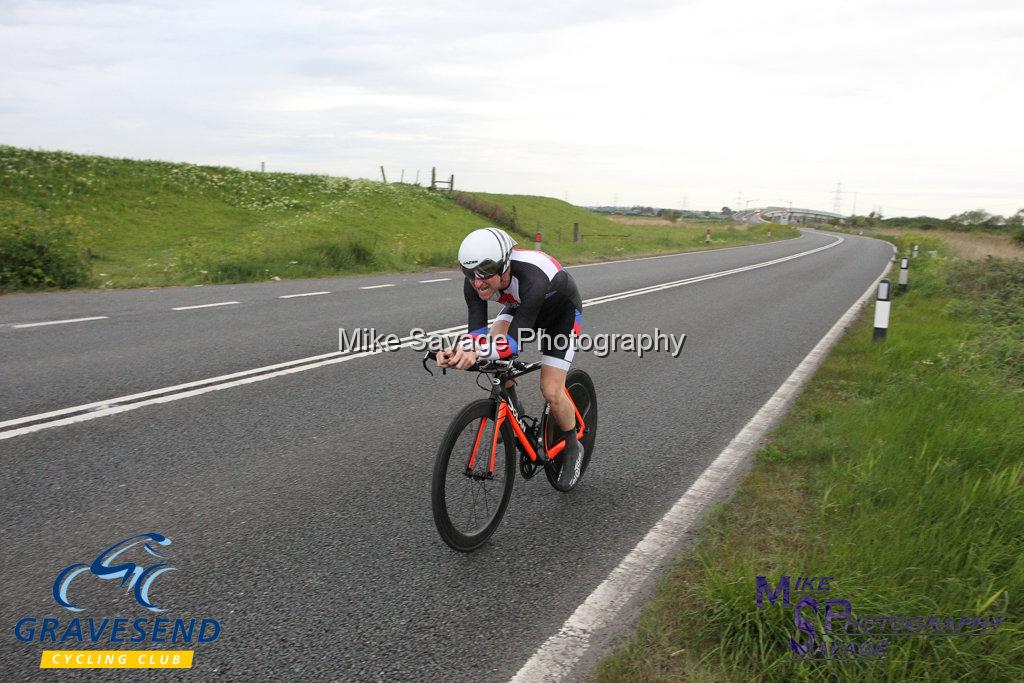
707	237
536	241
914	252
882	304
904	267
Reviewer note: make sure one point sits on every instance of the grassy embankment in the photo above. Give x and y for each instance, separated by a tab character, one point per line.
898	473
148	223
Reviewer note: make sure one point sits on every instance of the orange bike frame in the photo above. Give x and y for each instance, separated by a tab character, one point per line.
505	414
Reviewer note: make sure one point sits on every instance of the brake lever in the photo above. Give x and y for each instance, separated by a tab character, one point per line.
444	371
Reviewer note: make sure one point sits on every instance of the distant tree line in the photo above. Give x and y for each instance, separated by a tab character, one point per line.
977	219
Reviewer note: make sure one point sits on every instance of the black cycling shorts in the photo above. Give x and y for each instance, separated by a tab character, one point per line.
556	335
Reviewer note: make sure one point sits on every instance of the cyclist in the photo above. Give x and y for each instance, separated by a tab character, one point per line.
537	294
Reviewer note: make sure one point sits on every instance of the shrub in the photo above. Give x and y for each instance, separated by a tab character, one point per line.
1018	235
496	213
39	251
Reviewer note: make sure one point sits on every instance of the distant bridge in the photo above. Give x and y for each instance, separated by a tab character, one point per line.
781	214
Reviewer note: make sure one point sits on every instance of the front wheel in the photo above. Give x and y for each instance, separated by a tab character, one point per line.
584	396
473	475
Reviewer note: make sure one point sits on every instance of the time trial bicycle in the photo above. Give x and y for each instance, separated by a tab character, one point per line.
475	466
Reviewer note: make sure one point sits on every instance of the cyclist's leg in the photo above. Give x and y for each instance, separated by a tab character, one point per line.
552	386
557	348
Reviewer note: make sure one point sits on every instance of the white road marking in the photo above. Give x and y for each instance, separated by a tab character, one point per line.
189	308
702	278
679	253
559	655
441	279
122	404
59	322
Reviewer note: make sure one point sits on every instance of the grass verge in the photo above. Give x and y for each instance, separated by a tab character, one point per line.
74	220
899	474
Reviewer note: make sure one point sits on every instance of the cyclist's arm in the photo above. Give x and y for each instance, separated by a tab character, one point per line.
521	317
464	353
499	328
494	343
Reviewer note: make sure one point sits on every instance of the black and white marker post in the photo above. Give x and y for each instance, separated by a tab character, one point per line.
882	304
904	267
914	253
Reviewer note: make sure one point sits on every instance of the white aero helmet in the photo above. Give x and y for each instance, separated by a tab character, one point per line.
485	253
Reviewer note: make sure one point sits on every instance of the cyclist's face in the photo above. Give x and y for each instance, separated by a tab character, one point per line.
485	287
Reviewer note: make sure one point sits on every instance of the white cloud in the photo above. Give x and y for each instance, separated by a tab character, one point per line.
912	105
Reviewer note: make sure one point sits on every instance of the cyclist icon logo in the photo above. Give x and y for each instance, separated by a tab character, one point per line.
134	577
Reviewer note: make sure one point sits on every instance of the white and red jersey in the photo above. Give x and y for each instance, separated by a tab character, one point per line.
539	287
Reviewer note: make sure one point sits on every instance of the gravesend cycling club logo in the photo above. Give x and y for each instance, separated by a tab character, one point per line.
137	578
133	565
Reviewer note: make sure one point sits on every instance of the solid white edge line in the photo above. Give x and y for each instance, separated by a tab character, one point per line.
377	286
560	653
123	403
189	308
19	326
292	296
440	279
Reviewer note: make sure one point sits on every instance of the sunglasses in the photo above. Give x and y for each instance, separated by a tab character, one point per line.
483	270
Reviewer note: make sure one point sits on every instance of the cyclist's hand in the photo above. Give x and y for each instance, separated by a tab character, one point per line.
467	360
462	359
444	358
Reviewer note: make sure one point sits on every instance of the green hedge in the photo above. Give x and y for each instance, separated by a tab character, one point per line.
38	251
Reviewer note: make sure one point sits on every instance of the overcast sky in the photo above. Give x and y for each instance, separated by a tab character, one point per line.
914	105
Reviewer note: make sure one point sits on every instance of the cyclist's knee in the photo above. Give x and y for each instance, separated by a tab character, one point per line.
553	391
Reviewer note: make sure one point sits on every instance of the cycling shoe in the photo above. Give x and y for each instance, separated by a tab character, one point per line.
572	463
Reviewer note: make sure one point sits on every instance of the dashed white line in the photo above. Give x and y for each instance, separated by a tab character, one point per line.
376	286
188	308
440	279
60	322
292	296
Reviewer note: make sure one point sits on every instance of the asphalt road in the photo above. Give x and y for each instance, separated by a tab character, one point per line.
299	506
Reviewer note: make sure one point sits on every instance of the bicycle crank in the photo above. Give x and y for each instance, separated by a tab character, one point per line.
527	467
